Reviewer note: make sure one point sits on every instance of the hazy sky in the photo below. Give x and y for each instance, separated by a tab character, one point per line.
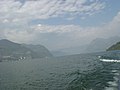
59	23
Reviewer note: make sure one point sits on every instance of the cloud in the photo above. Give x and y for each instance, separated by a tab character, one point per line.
63	36
44	9
20	36
14	18
5	21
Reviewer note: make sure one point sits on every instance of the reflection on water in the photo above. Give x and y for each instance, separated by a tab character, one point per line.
75	72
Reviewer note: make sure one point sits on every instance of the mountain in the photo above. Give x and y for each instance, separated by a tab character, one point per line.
101	44
40	50
114	47
14	51
97	45
10	48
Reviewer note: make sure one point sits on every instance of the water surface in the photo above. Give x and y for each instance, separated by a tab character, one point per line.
75	72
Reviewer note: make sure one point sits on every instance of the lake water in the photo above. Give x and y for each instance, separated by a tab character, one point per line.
75	72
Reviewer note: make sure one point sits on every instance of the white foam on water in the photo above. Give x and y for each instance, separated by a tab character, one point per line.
114	71
116	79
110	88
114	84
110	60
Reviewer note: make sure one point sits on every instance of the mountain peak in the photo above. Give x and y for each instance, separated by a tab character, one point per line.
7	42
4	40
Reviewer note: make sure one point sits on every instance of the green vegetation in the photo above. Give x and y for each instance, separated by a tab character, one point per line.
114	47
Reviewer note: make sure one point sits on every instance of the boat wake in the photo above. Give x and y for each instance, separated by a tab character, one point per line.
108	60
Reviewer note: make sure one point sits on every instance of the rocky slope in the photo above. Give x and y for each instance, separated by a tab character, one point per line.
114	47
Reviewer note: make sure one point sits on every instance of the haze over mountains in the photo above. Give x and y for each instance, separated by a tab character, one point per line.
97	45
40	50
64	26
101	44
14	51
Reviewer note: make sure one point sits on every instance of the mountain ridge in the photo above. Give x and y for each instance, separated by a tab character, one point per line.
11	50
114	47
